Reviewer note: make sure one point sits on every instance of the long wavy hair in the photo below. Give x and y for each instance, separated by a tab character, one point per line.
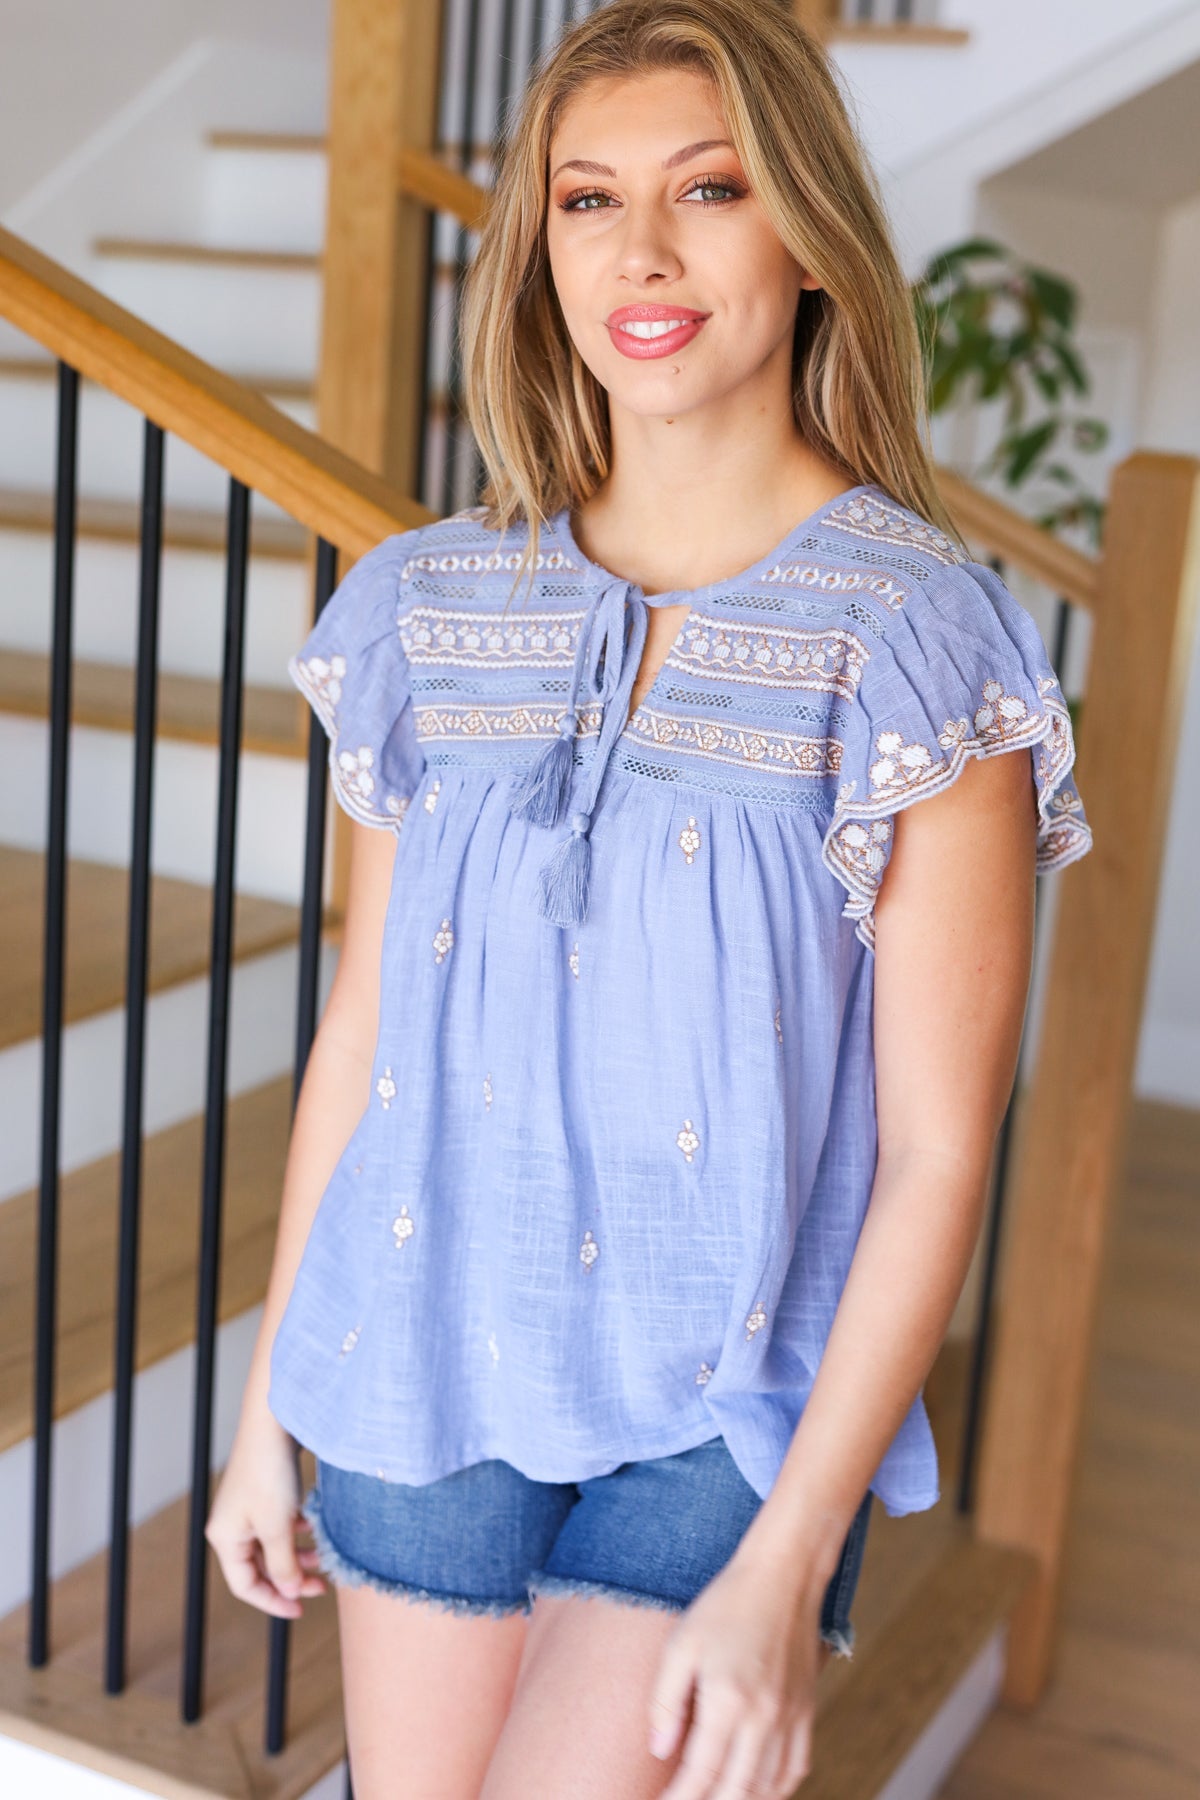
539	415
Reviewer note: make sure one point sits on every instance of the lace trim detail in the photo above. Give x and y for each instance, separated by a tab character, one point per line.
777	752
885	523
829	660
857	845
480	640
435	724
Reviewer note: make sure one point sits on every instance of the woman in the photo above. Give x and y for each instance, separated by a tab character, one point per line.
643	1146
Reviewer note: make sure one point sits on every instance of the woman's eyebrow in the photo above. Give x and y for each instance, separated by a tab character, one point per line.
672	161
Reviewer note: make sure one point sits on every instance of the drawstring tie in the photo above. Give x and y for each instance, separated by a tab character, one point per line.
541	792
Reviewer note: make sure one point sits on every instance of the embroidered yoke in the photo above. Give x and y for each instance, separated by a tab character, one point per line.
622	1133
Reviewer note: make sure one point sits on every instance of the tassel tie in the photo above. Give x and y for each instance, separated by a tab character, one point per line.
541	794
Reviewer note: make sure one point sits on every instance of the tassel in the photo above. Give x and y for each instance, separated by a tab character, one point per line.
540	791
563	877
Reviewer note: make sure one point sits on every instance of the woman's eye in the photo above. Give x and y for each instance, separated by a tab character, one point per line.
711	182
570	203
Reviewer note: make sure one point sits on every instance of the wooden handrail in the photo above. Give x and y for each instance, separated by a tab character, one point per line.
236	427
993	526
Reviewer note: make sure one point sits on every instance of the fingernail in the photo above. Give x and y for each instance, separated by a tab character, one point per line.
659	1741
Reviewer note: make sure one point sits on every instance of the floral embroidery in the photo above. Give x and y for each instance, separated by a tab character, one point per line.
756	1320
472	562
437	724
778	1024
432	796
775	751
322	682
687	1140
839	581
829	660
857	844
357	780
385	1087
493	1347
443	940
884	523
703	1375
403	1227
589	1250
435	634
573	960
349	1341
689	841
397	804
487	1091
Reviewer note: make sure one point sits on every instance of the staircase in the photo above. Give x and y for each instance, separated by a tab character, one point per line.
240	288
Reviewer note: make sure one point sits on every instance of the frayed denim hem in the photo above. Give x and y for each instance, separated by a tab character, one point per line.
542	1583
841	1642
347	1574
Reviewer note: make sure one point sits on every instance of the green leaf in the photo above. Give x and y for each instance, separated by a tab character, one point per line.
1055	296
1023	450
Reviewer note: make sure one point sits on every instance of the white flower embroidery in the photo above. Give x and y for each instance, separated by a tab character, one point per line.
349	1341
589	1250
756	1320
493	1347
443	940
703	1375
403	1227
573	960
487	1090
689	840
385	1087
687	1140
356	766
778	1024
432	796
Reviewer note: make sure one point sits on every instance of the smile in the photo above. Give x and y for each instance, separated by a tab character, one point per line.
641	338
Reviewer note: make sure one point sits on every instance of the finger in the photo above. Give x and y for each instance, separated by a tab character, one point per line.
705	1749
670	1700
245	1581
281	1563
798	1760
752	1760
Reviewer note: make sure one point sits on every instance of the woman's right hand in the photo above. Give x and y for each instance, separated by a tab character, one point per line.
254	1519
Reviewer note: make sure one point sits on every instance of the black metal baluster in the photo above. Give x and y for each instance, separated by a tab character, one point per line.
309	985
136	979
53	994
220	973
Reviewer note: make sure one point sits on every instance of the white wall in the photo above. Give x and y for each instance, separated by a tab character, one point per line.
68	65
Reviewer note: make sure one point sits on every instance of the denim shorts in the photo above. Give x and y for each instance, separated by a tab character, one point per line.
486	1538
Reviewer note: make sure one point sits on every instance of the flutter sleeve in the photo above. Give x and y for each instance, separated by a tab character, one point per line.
962	671
353	671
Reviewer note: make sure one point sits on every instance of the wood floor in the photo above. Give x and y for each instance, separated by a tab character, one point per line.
1121	1718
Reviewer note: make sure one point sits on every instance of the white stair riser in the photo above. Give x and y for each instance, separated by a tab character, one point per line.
192	609
237	318
111	436
271	801
82	1451
261	1047
264	199
27	1769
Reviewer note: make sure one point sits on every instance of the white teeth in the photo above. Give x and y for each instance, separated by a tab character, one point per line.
651	328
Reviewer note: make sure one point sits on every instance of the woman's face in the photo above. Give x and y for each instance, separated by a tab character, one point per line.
651	224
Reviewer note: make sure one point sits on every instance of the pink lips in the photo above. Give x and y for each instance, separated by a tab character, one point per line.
667	343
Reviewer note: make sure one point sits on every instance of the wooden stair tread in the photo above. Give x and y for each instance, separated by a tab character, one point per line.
184	527
220	255
180	913
275	387
102	695
257	1131
138	1736
897	1682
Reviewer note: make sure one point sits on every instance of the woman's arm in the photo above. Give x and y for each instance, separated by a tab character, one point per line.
953	957
334	1094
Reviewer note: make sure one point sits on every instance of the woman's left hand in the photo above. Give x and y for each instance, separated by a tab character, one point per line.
746	1654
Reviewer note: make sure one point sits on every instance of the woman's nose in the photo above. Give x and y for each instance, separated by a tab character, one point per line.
645	245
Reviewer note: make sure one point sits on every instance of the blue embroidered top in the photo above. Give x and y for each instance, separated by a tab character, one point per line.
622	1134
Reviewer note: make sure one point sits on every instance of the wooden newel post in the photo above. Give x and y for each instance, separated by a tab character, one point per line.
1071	1126
383	101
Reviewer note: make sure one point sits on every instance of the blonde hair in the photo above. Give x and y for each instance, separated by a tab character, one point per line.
540	417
